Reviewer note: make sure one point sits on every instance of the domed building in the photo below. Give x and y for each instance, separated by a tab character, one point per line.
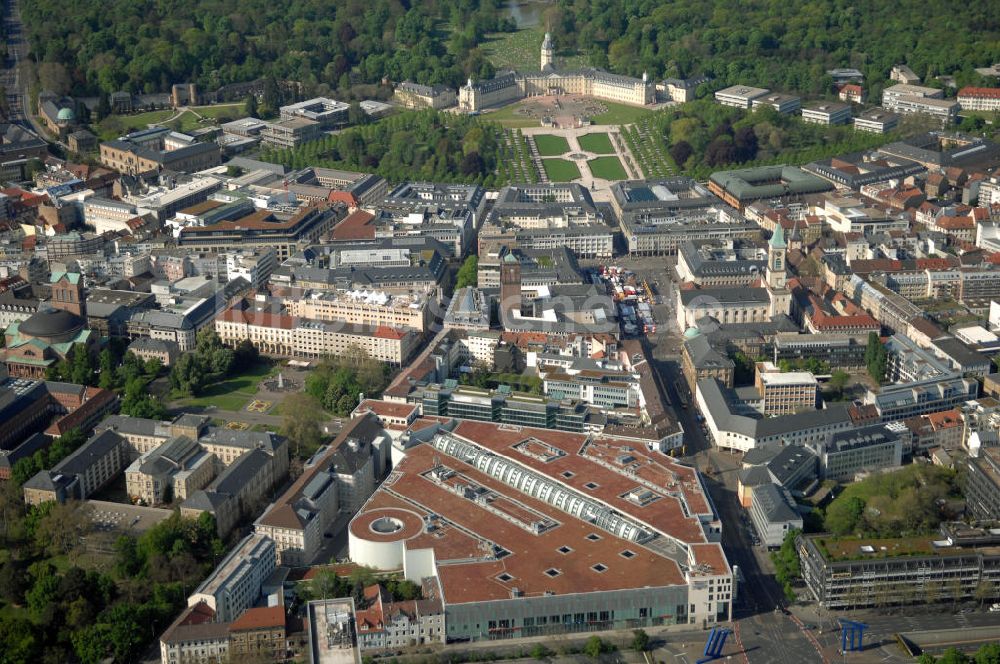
44	339
57	113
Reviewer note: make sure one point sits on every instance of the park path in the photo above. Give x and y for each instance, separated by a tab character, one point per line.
600	189
628	159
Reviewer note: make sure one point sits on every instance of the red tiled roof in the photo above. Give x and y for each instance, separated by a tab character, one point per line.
945	419
258	618
386	332
355	226
980	93
936	263
386	408
955	223
344	197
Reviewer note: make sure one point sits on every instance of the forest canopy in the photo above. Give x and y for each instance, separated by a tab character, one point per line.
146	45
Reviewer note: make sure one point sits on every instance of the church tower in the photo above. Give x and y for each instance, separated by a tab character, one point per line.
781	298
795	241
548	52
67	293
510	282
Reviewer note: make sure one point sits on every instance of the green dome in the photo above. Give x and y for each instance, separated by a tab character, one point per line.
66	114
691	333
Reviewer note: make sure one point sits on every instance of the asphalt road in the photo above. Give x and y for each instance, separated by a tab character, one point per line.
10	76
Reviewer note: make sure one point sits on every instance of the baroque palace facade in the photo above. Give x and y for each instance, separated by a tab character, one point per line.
510	86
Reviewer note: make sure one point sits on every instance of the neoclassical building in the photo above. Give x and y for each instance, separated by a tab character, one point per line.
735	305
510	85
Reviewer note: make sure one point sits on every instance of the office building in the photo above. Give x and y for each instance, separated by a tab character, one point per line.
363	307
792	467
774	514
827	113
979	99
876	121
784	393
285	233
414	95
328	113
741	187
547	216
700	360
278	333
291	133
847	454
905	99
658	216
734	425
711	264
982	484
171	472
152	150
782	103
740	96
83	472
240	489
850	573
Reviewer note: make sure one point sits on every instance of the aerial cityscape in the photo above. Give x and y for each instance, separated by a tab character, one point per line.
343	332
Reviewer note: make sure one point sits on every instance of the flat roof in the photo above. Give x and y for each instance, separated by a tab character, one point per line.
838	549
329	641
547	550
744	91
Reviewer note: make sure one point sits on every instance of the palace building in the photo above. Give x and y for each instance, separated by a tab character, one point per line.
511	85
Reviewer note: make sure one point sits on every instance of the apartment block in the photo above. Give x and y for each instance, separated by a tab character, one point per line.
234	585
338	478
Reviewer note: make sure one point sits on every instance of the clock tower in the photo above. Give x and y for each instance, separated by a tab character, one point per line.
781	298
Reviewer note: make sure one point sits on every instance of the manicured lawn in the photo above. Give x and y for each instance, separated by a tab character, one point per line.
123	124
228	110
551	146
116	125
608	168
508	117
521	50
232	394
560	170
619	114
597	143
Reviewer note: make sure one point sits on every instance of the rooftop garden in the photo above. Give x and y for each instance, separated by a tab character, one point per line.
908	502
